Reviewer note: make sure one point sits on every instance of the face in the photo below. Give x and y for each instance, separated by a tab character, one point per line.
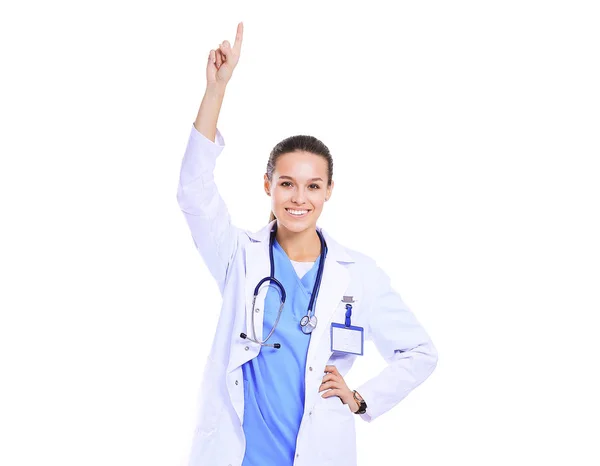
298	190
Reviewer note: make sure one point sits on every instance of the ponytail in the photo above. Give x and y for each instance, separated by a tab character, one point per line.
271	217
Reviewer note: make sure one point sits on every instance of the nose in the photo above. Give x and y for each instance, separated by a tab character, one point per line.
299	196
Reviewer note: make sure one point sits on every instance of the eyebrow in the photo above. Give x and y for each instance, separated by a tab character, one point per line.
290	178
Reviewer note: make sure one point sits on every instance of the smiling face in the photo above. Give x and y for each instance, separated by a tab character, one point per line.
298	189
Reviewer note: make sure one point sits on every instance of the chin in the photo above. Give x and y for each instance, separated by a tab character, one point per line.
297	225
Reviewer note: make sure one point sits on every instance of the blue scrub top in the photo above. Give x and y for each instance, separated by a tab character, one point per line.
274	380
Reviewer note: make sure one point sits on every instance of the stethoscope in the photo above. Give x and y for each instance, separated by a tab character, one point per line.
309	322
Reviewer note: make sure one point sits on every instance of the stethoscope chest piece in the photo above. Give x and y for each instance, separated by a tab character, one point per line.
308	323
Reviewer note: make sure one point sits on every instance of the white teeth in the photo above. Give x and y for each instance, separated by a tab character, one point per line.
297	212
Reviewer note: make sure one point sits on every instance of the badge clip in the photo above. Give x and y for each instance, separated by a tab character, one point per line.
348	315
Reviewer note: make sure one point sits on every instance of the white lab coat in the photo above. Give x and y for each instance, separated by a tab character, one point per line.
238	259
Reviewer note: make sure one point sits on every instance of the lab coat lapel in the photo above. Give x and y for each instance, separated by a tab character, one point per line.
334	283
257	267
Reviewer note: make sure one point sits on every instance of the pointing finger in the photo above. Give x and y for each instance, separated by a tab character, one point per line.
239	36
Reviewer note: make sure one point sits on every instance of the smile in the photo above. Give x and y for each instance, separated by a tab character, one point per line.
297	213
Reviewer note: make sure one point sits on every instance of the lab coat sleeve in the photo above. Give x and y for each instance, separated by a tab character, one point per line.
410	355
203	207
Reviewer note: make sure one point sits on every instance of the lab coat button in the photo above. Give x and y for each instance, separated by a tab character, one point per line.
257	310
310	368
247	348
236	382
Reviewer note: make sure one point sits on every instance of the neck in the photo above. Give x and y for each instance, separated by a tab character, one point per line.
304	246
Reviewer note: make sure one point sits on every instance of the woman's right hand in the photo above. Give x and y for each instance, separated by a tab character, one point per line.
223	60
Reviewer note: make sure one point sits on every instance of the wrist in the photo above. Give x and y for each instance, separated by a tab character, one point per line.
215	89
350	401
360	402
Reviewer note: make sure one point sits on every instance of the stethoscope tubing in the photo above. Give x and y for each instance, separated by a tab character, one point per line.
310	320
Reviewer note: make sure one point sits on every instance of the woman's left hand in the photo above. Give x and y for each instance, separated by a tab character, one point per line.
335	385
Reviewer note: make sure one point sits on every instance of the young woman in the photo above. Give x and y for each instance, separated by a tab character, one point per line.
297	307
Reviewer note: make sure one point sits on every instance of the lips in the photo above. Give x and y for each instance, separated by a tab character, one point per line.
297	213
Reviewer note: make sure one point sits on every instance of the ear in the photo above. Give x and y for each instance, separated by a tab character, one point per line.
267	185
329	190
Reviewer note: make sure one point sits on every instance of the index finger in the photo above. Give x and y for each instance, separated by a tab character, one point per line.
237	45
331	369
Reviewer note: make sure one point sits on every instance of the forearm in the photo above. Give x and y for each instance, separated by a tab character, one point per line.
404	372
210	107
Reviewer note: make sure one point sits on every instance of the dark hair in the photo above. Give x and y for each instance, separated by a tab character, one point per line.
303	143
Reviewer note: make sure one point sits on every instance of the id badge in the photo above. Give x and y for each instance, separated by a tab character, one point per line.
347	339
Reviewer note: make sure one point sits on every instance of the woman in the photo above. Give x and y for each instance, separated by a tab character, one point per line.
273	392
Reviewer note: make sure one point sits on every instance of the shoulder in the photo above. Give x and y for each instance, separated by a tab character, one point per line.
357	261
361	258
362	267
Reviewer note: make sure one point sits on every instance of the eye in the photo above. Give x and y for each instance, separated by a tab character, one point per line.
315	186
286	183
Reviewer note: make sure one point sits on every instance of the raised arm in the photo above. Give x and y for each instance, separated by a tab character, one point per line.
203	207
220	66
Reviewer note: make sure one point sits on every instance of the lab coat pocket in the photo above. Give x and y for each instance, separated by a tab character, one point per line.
334	428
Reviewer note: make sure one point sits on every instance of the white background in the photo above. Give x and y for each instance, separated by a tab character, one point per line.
465	138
